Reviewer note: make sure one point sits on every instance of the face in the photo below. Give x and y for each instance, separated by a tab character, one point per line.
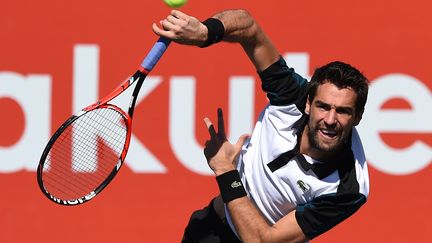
332	115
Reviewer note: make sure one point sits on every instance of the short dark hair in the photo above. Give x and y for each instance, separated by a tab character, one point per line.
343	76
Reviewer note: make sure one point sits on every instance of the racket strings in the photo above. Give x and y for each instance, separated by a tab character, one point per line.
81	140
78	154
85	154
103	125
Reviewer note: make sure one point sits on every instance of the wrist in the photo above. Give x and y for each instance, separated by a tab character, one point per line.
221	171
215	31
230	186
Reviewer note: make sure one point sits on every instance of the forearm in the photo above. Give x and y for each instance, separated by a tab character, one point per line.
252	227
249	223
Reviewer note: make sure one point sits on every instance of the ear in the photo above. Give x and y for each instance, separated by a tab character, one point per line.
307	108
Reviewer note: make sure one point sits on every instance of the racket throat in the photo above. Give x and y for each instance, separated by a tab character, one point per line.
139	79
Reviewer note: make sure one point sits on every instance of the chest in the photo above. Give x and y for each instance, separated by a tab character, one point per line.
292	184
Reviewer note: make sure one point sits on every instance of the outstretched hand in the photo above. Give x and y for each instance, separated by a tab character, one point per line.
182	28
219	152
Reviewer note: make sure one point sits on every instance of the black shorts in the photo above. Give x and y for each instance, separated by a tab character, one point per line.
206	226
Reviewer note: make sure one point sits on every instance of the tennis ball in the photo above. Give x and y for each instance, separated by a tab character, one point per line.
175	3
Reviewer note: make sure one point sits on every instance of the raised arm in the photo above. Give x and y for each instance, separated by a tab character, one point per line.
239	27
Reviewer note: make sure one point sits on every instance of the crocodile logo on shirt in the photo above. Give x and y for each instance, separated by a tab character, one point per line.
303	186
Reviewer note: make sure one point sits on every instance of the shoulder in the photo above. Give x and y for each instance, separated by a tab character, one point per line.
282	84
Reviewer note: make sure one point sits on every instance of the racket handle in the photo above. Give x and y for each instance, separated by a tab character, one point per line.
155	53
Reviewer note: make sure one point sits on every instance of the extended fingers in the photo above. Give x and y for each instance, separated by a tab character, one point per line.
220	134
207	122
221	124
211	129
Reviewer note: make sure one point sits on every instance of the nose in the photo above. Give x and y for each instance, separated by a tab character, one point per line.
330	118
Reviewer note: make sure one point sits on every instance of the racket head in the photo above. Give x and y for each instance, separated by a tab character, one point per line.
84	154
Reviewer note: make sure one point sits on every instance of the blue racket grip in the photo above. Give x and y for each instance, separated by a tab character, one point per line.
155	53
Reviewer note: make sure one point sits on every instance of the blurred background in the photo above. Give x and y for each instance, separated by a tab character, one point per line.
58	56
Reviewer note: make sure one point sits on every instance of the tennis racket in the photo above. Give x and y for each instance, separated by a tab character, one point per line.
88	149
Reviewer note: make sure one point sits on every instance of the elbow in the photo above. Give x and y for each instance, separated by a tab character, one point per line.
240	26
252	28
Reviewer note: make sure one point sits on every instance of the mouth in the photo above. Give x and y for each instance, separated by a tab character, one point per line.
328	133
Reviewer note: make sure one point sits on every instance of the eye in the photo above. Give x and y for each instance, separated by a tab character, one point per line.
344	111
323	107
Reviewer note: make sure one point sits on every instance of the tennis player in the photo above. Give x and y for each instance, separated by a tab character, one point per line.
303	169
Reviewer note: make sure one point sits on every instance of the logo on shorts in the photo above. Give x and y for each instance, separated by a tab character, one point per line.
303	186
236	184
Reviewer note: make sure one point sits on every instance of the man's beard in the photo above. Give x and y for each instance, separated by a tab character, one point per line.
319	145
